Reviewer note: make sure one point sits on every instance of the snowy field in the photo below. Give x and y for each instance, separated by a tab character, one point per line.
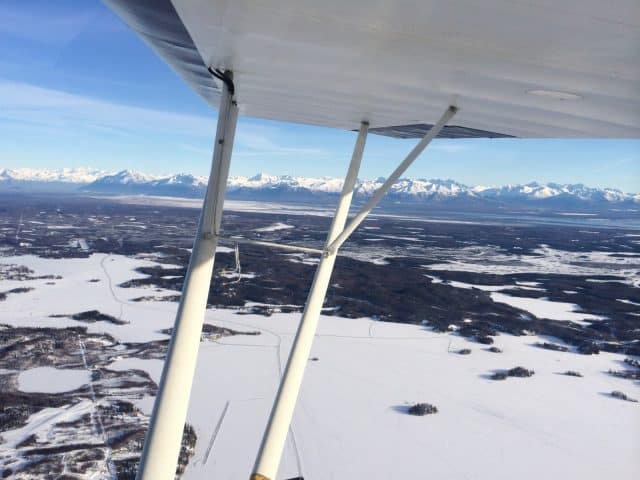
56	379
229	205
351	420
482	259
540	307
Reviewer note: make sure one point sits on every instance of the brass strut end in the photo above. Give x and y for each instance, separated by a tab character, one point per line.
257	476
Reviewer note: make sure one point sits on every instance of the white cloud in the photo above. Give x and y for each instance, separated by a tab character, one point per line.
28	109
257	140
43	107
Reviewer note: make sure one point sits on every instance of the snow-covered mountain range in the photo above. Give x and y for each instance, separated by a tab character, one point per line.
294	188
43	175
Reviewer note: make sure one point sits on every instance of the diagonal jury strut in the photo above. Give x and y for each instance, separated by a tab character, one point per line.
377	196
270	453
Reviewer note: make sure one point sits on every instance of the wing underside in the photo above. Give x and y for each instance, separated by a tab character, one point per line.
525	69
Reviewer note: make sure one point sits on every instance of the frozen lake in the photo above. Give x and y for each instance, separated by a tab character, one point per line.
52	380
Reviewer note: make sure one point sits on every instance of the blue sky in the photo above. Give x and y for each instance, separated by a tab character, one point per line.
77	88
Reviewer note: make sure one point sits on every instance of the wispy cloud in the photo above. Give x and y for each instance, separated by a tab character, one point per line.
28	109
43	107
51	26
196	149
257	140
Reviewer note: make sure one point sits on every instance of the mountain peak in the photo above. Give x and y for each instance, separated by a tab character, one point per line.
295	188
260	177
126	177
78	175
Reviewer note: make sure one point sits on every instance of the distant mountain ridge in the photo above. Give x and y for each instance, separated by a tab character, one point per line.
63	175
294	188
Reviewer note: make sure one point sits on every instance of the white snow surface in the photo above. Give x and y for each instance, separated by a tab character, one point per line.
275	227
41	422
544	308
229	205
540	307
545	259
629	302
52	380
351	419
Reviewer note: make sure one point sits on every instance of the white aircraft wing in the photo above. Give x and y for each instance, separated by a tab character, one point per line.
538	68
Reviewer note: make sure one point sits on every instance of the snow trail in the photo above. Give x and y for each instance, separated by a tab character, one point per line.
215	432
110	284
97	419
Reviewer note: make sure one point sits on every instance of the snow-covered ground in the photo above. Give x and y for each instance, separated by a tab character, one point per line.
351	419
229	205
540	307
544	308
52	380
545	259
275	227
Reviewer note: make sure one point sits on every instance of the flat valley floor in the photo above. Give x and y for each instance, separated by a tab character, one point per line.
419	312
